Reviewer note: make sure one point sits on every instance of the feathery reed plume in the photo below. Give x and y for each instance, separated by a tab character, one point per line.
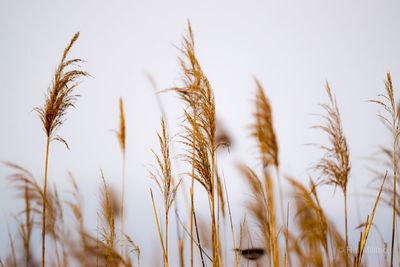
391	121
164	180
200	133
109	207
262	208
88	249
81	252
60	97
263	131
367	227
334	166
26	224
29	190
312	223
160	236
134	248
121	135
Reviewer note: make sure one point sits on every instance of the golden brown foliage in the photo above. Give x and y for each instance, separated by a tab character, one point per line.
311	239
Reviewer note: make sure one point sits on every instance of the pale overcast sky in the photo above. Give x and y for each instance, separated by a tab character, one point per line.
292	47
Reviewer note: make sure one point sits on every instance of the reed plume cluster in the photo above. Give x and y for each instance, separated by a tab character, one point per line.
304	236
199	136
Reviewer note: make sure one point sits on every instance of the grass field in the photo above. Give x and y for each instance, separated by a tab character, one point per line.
282	227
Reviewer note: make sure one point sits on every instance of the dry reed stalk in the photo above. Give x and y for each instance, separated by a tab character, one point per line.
199	133
60	97
159	230
286	258
334	166
44	203
388	163
58	229
181	252
367	227
26	231
198	242
391	121
269	189
162	175
121	136
231	225
192	211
